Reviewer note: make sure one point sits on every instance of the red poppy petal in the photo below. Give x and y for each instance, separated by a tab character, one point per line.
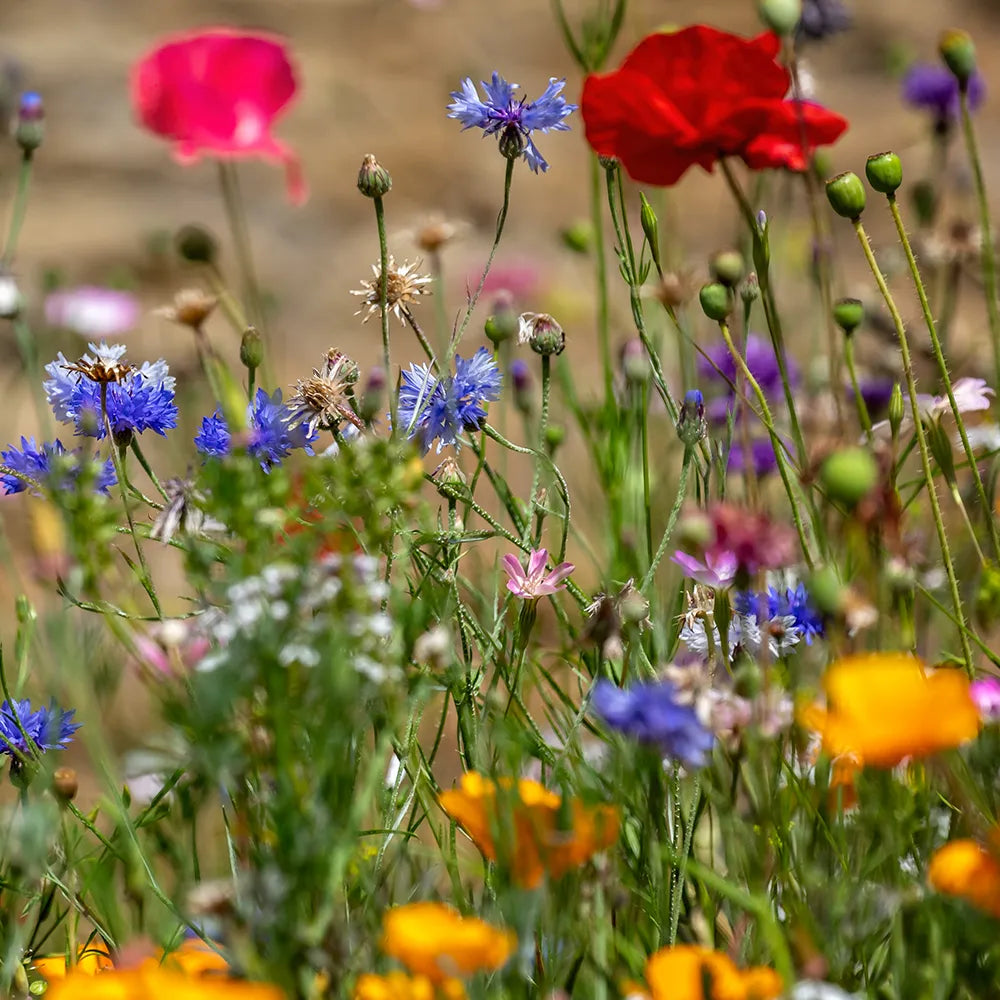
793	130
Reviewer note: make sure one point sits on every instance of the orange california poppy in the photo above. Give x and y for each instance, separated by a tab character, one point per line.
679	973
436	941
400	986
154	982
195	958
538	833
92	958
966	869
884	707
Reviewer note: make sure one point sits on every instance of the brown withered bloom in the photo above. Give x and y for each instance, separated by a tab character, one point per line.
190	308
611	614
107	367
324	400
403	287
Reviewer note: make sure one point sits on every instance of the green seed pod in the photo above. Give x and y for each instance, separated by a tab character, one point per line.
846	195
728	267
848	475
848	314
959	55
579	237
715	302
781	16
884	172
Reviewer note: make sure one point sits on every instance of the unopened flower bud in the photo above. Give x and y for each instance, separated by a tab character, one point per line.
727	267
449	479
542	333
959	55
373	395
502	323
30	129
373	179
196	244
579	237
896	409
691	424
635	362
750	288
846	195
555	435
511	142
848	475
884	172
251	348
64	783
520	378
848	314
781	16
650	228
715	301
10	297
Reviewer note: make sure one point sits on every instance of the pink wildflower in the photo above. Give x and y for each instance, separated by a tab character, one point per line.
986	695
718	569
93	312
533	582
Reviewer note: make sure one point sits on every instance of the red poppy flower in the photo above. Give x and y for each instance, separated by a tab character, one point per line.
218	92
693	96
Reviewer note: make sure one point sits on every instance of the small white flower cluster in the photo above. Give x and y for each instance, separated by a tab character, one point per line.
303	610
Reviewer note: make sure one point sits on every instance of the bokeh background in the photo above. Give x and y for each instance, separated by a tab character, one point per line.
375	76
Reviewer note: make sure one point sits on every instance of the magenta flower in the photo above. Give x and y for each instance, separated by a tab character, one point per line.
93	312
718	569
986	695
532	583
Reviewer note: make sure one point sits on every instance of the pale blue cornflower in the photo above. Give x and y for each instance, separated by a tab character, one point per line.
46	728
512	120
51	466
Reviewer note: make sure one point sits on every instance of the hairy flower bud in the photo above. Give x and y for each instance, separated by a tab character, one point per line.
373	179
846	195
64	783
635	362
502	323
884	172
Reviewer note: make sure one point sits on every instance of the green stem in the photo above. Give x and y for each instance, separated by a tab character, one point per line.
19	209
235	216
601	261
989	264
146	467
945	377
646	501
863	417
925	456
543	422
671	520
383	302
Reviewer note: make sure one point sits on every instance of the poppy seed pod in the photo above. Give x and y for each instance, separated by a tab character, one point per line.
848	314
959	55
781	16
884	172
846	195
728	267
715	302
848	475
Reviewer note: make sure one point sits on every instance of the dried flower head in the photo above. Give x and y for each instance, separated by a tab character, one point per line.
323	400
403	287
106	367
191	307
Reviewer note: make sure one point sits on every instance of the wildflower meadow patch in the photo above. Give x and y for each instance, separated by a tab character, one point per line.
647	655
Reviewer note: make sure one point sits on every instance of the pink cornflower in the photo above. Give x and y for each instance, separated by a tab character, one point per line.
717	570
218	92
986	695
93	312
533	582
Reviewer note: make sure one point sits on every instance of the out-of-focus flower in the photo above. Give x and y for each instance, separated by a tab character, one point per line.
823	18
533	582
218	93
763	460
933	88
512	119
693	96
51	466
403	287
717	570
46	728
442	408
171	648
436	941
190	308
92	958
271	435
154	982
399	986
966	869
650	713
93	312
793	606
971	396
717	364
182	512
986	695
684	971
137	399
546	837
884	707
876	391
324	400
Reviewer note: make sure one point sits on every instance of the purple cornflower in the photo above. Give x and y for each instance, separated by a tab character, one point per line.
717	365
512	120
532	583
933	88
269	434
986	695
48	728
92	312
762	457
876	391
650	713
51	466
138	399
442	408
823	18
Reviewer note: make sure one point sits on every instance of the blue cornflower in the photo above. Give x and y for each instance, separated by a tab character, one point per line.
789	612
138	399
511	119
270	434
934	88
650	713
442	408
823	18
47	465
48	728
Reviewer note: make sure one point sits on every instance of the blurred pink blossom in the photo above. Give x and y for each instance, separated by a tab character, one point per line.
93	312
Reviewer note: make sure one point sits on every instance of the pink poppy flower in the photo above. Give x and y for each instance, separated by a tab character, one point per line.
533	582
218	92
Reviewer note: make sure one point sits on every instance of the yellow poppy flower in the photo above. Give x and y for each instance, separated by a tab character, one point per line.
436	941
91	959
966	869
153	982
537	842
884	707
679	973
400	986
